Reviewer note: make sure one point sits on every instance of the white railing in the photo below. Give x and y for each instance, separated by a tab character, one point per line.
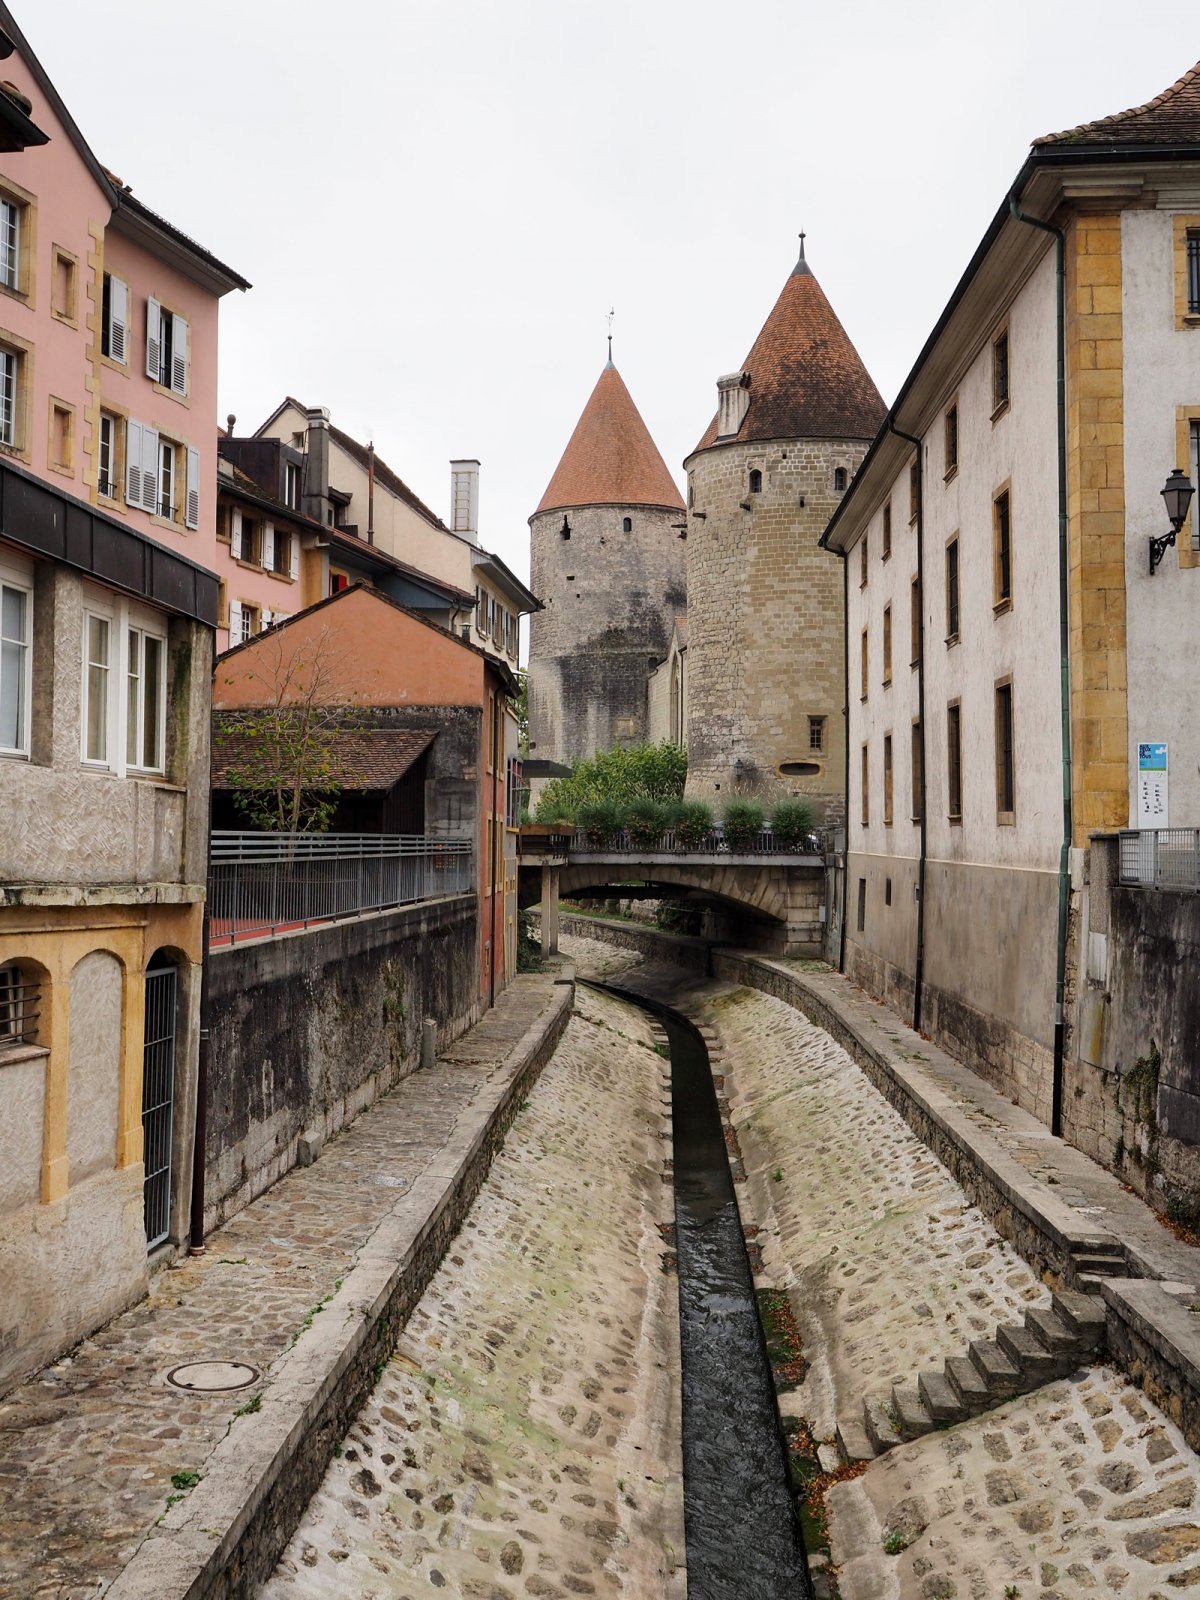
1161	858
260	884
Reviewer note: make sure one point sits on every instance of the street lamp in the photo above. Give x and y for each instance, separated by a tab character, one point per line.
1177	497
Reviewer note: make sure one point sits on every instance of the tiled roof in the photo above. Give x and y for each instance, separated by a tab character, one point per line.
611	459
1172	117
369	759
807	380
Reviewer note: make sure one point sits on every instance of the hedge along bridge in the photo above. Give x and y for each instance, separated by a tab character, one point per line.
763	897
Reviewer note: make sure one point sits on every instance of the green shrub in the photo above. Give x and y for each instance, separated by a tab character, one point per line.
791	823
645	821
693	823
743	824
623	774
599	821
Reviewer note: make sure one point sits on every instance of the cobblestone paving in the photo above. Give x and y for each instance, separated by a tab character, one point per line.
524	1440
88	1447
1080	1489
888	1267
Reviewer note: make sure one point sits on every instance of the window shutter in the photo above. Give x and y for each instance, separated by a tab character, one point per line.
266	618
268	546
179	354
149	468
235	534
118	318
235	622
133	462
153	340
192	515
295	557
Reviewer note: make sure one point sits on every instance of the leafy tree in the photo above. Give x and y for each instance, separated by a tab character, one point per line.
620	776
520	707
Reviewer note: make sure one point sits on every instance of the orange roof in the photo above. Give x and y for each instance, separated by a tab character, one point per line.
807	380
1172	117
611	458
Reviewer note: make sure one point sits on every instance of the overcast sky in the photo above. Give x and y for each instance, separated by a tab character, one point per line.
438	200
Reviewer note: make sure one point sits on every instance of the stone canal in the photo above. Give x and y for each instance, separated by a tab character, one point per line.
540	1432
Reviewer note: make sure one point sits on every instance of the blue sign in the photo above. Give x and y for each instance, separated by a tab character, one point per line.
1152	758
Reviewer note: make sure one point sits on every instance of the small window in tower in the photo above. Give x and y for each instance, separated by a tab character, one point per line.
755	481
626	524
839	479
565	530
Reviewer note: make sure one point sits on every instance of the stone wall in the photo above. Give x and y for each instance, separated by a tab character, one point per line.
311	1027
765	625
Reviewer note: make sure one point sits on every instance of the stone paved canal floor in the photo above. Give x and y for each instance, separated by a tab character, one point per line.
524	1438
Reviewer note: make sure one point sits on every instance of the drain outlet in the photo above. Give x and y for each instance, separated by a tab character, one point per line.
212	1377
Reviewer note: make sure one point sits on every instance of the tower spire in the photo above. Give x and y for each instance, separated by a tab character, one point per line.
802	267
609	315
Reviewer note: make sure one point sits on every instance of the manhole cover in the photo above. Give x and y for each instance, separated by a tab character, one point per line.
212	1376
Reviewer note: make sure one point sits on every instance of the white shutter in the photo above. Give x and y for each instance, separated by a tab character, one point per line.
179	355
268	546
149	468
235	622
153	340
192	514
295	556
266	618
235	535
118	318
133	462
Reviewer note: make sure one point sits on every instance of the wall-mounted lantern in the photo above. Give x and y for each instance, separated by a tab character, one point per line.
1177	497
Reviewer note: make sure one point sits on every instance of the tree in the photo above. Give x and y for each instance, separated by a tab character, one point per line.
520	707
619	776
281	757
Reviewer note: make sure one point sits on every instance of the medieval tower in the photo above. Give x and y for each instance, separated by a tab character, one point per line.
766	673
607	563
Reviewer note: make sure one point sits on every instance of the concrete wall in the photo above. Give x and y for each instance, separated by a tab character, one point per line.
311	1027
764	620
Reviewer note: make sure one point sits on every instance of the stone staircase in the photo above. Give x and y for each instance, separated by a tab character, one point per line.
1051	1342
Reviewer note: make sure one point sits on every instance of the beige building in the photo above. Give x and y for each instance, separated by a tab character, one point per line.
1011	653
667	691
764	604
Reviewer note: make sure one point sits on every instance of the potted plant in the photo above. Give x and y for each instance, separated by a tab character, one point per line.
743	824
792	823
645	821
693	824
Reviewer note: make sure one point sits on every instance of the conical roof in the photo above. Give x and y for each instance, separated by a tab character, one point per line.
611	459
1172	117
807	380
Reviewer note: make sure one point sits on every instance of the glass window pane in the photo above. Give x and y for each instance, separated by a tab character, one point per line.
12	687
152	702
133	700
97	690
12	614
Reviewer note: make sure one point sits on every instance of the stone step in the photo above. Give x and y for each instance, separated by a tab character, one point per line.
1100	1265
1051	1333
880	1426
939	1399
1090	1283
998	1371
852	1442
910	1408
1085	1318
967	1382
1028	1353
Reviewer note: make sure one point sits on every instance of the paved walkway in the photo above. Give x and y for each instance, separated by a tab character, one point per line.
88	1448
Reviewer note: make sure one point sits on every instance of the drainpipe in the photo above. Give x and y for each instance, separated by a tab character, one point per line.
919	957
1064	641
846	764
200	1135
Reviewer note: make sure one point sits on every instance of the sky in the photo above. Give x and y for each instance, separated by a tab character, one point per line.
438	201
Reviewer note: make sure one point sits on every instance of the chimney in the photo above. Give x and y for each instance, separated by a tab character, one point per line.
464	499
315	501
733	401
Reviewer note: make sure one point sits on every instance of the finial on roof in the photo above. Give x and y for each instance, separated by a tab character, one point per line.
608	317
802	267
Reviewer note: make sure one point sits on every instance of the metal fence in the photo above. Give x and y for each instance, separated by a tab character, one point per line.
1161	858
714	843
267	883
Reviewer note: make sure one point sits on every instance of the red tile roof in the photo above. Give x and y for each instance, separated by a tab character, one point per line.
807	380
368	759
1172	117
611	458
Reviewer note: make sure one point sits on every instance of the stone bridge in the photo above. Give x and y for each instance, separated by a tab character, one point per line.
771	901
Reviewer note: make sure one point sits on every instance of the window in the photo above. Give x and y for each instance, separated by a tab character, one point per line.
62	285
10	379
755	481
16	618
1194	461
887	780
887	645
865	665
19	996
816	733
954	761
337	582
282	554
1006	802
62	436
167	340
481	609
97	644
862	563
887	891
146	678
952	591
124	689
914	491
951	442
626	524
1193	271
914	623
887	531
999	373
839	479
166	480
114	319
109	440
10	243
862	904
141	465
246	541
918	771
291	485
1002	545
865	786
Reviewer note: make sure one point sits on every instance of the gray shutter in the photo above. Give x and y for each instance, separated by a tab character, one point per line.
295	556
235	535
133	462
179	354
192	514
268	546
118	318
153	340
235	622
149	468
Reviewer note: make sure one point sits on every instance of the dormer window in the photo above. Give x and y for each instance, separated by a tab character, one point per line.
755	481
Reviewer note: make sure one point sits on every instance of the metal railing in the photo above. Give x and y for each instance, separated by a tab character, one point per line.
1161	858
267	883
714	843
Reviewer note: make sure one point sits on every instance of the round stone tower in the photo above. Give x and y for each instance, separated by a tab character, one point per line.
608	564
766	685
